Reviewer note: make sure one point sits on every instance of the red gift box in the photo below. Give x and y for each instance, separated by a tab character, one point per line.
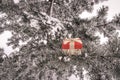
72	46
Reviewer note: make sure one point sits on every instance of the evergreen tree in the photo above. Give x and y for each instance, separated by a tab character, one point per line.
41	25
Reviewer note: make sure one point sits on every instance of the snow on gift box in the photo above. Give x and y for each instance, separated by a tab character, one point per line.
72	46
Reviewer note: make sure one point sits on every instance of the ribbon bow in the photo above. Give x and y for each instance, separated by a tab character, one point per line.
72	40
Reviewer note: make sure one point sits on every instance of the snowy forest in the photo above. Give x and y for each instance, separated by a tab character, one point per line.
38	28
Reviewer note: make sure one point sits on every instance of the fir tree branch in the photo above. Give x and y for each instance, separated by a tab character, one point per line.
103	24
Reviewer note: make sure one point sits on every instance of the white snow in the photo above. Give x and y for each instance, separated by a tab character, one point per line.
60	57
86	54
34	23
103	39
16	1
73	77
44	41
114	8
69	35
85	74
3	15
8	22
22	43
118	31
3	40
66	59
18	19
76	77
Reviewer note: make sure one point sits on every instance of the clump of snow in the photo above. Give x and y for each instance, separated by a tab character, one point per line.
69	35
19	19
118	31
34	23
89	15
85	74
74	67
103	39
113	10
86	54
44	41
66	59
23	43
3	15
16	1
73	77
60	57
3	25
76	77
8	22
3	40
